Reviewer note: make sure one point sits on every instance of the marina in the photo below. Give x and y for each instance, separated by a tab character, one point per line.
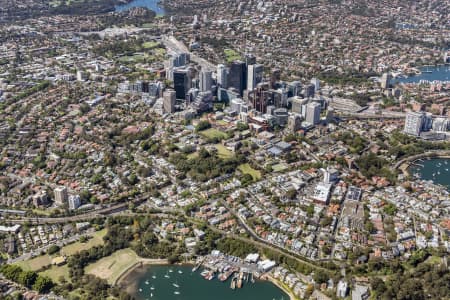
436	170
228	277
192	286
427	74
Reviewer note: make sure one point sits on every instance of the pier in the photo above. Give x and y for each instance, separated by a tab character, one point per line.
226	266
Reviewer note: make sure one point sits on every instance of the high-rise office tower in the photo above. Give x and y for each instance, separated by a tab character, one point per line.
236	77
250	59
181	59
169	98
281	116
313	113
260	98
74	202
294	89
414	122
330	115
222	76
205	81
297	104
203	102
386	80
139	87
237	104
61	195
254	76
309	91
275	77
294	122
427	121
441	124
181	82
316	83
279	98
270	109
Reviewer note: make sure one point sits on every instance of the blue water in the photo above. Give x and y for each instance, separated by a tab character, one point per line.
152	284
439	73
437	170
150	4
405	26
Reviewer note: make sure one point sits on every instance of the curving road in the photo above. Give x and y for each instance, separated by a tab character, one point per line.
258	241
100	213
169	213
433	153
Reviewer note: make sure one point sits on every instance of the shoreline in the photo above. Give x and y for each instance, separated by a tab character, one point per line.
413	164
280	286
141	263
164	262
408	162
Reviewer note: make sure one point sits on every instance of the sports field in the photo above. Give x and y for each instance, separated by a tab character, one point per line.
36	263
213	133
223	152
112	266
97	239
56	272
247	169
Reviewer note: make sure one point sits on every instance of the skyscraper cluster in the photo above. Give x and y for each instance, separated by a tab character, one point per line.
249	91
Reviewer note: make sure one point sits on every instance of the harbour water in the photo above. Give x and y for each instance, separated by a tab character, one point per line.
431	73
151	4
437	170
180	283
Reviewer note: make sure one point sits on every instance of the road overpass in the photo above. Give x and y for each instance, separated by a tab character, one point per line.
175	46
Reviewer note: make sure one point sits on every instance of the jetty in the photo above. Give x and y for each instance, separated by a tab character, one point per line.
196	267
233	282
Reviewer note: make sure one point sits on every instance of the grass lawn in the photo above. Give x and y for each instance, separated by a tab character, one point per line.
36	263
42	212
223	151
434	260
58	3
150	45
279	167
247	169
97	239
192	155
221	123
159	51
231	55
132	59
213	133
56	272
55	3
112	266
148	25
39	262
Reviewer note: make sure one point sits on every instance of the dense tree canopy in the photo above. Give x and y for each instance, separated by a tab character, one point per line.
206	165
30	279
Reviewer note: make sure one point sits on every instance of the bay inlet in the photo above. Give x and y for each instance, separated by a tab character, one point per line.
435	169
180	283
428	74
150	4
